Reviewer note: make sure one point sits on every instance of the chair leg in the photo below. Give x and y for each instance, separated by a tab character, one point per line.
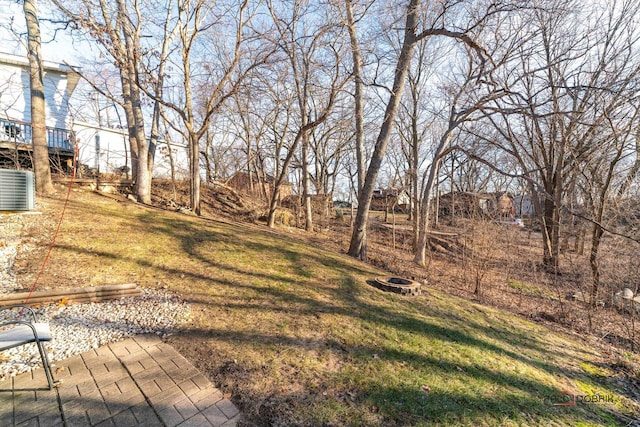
45	363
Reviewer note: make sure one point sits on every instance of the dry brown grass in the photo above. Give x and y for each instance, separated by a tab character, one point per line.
507	262
286	325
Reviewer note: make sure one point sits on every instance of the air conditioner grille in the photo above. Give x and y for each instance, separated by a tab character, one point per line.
17	190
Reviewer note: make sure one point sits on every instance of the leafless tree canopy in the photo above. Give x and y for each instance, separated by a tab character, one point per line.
341	98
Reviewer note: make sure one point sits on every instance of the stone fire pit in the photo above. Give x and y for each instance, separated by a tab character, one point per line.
398	285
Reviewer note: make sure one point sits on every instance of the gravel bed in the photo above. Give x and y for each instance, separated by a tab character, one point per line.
77	328
7	257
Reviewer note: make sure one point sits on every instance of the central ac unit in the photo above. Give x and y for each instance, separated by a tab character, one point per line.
17	190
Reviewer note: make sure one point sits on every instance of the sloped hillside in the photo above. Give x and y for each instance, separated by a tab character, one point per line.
295	335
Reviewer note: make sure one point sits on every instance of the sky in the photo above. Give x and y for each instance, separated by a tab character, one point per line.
61	49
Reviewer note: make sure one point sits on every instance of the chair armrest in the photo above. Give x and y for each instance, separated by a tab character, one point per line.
22	308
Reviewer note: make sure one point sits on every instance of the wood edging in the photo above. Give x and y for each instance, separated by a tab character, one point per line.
72	295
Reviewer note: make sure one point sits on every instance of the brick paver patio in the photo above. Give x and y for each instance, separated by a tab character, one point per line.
137	382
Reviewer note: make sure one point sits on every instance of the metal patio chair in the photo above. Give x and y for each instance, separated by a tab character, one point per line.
23	329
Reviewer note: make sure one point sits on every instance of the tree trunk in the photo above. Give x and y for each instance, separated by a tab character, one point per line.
172	166
594	263
421	247
143	177
137	143
550	234
194	174
131	129
306	190
273	206
280	179
155	121
143	183
133	108
41	166
414	165
208	175
358	245
359	109
154	135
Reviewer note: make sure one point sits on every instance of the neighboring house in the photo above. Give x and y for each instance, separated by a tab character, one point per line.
253	185
15	108
103	150
524	205
391	198
499	204
403	200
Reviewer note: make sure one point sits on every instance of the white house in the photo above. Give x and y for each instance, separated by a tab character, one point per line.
15	104
101	148
106	151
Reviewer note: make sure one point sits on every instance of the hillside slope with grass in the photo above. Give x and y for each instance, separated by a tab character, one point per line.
294	335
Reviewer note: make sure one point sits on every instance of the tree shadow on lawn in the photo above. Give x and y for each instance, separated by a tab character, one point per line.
496	395
348	297
520	394
343	300
253	240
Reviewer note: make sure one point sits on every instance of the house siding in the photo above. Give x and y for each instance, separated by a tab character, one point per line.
102	149
12	100
15	102
106	150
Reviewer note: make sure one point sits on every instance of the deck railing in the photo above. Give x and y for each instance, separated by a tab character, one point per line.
21	133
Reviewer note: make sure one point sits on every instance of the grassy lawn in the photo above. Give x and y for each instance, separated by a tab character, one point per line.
296	336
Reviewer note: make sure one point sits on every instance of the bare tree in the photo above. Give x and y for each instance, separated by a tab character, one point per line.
249	122
358	244
168	34
608	123
358	93
197	100
556	105
469	99
117	27
415	120
41	166
599	175
314	54
273	111
412	35
328	143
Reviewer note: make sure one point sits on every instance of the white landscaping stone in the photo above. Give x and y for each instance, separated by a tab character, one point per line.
78	328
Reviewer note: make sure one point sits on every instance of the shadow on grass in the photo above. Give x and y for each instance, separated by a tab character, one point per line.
255	272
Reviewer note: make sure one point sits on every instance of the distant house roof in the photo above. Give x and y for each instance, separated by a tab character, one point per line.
389	192
242	176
